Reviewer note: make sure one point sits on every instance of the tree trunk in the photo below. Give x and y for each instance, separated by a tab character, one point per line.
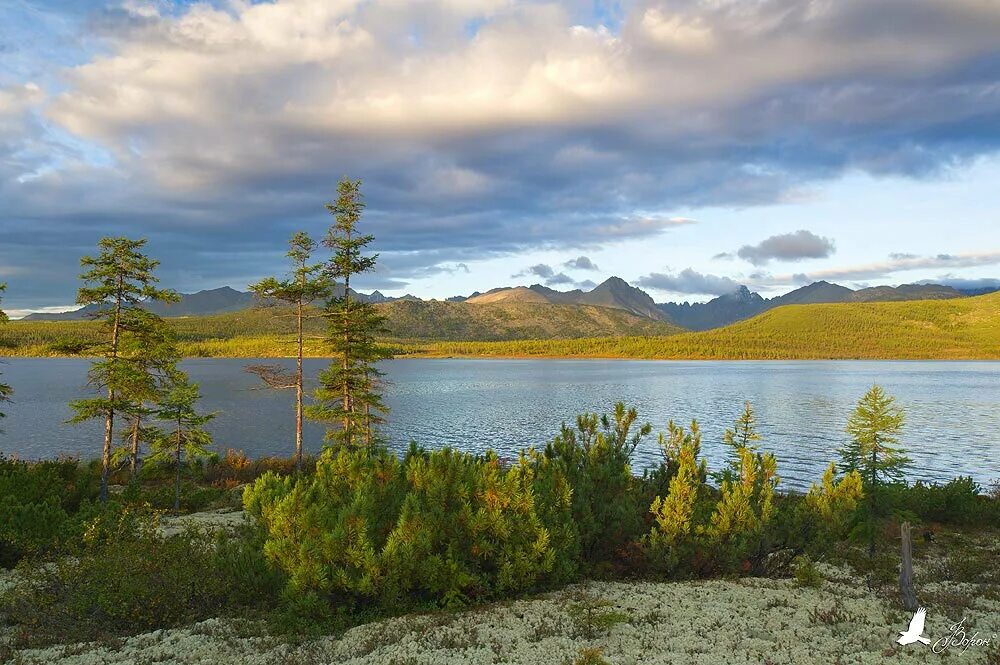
368	426
906	590
871	500
177	484
135	462
345	363
298	394
109	420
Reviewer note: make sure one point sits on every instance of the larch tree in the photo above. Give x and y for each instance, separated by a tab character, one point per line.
184	436
150	346
742	437
306	284
874	449
349	393
5	390
116	283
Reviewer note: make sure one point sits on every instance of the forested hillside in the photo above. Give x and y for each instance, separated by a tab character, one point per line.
266	331
967	328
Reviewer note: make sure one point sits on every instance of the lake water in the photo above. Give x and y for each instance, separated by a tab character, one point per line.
952	408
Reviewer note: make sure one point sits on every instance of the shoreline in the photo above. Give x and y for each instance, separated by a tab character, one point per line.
430	355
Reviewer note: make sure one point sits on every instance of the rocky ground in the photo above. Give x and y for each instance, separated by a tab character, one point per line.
749	620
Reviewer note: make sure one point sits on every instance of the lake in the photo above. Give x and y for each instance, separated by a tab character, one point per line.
952	408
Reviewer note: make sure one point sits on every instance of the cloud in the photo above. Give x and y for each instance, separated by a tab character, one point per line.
581	263
788	247
689	281
963	283
548	274
480	128
542	270
882	269
561	278
723	256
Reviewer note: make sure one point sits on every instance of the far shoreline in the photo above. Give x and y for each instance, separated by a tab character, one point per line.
548	357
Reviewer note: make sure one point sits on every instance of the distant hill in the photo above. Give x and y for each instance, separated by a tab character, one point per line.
512	319
203	303
744	304
613	293
266	332
515	294
946	329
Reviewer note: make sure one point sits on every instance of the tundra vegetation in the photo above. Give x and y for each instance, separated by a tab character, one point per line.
363	532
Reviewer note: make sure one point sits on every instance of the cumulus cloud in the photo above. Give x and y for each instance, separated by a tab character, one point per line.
581	263
689	281
480	128
559	279
788	247
548	274
542	270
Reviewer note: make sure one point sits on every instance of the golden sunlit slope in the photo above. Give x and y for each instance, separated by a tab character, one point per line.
966	328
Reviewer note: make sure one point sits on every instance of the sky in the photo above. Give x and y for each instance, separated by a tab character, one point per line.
687	146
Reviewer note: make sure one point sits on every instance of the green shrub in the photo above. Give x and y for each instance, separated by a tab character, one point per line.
443	527
594	616
608	501
959	501
36	500
826	515
126	577
806	573
672	539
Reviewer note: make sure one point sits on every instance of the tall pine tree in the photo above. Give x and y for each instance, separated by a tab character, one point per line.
5	390
349	393
116	282
306	284
874	451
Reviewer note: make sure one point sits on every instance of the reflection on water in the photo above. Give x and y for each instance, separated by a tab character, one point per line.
952	408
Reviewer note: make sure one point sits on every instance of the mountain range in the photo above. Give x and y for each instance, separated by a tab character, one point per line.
743	303
613	293
211	301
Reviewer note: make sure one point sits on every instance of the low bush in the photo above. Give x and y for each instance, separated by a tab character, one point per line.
608	501
127	577
36	502
959	501
442	527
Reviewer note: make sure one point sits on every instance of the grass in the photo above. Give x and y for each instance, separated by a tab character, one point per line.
959	329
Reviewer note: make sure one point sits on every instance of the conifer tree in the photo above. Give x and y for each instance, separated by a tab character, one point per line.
349	393
874	451
740	438
306	284
116	282
186	437
151	349
5	390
